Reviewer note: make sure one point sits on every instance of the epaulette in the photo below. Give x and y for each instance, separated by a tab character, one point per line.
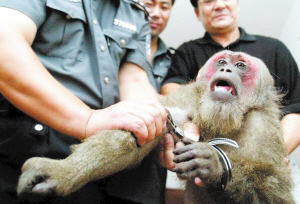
141	6
171	51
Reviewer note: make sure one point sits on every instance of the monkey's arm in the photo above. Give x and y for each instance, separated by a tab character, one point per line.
98	156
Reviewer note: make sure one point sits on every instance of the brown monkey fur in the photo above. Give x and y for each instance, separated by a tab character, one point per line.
234	98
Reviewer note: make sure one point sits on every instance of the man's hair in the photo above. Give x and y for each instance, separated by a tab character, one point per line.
173	1
195	3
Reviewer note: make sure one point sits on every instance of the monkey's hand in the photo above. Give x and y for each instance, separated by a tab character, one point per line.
199	160
39	177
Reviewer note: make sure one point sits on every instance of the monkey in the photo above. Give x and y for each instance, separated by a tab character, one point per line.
234	98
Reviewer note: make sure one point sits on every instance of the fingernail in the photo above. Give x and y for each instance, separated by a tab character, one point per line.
191	136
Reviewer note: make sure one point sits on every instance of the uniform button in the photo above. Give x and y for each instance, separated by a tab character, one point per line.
38	127
68	17
122	43
102	48
158	78
95	22
106	80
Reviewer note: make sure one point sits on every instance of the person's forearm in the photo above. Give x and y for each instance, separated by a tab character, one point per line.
134	83
26	83
290	124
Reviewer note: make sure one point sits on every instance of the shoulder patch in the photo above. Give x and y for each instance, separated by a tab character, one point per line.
141	6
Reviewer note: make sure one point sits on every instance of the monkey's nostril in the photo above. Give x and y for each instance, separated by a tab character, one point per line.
228	70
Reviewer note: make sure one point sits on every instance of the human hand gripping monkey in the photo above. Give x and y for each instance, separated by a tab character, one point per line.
235	99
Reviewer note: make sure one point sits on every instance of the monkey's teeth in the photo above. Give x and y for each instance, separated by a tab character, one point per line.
223	88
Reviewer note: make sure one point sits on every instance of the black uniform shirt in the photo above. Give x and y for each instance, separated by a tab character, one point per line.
192	55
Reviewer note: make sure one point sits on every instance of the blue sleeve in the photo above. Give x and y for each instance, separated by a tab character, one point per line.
34	9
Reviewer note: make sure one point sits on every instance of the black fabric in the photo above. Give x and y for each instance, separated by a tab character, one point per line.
125	184
192	55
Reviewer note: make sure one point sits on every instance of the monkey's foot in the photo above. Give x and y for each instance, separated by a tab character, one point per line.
36	177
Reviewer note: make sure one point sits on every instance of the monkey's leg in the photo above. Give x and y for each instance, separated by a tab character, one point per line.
98	156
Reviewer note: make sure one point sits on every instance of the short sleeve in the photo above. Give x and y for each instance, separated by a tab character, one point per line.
34	9
140	55
288	72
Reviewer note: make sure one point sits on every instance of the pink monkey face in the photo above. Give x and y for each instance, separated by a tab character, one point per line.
231	73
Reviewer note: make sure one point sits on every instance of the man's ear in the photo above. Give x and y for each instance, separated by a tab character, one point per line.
198	14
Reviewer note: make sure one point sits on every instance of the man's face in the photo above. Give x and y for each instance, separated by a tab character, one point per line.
218	15
160	11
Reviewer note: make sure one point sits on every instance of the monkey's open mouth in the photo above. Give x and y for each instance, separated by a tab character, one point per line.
222	85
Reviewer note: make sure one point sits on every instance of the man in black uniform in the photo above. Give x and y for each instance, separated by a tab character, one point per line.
64	67
220	19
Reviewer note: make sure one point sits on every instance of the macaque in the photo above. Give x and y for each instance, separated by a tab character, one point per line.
235	98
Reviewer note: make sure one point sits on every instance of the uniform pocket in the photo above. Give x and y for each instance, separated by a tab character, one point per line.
72	9
63	33
119	42
123	39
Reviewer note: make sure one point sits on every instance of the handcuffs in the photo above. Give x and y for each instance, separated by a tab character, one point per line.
227	176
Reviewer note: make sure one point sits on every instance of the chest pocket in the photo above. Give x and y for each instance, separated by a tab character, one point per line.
119	43
63	32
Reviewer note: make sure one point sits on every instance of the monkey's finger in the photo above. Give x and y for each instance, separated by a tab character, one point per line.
193	154
194	147
192	169
199	163
202	174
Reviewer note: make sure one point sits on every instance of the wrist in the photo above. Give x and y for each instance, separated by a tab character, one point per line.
87	131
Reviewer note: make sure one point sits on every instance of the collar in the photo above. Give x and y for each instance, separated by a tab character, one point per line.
162	48
207	39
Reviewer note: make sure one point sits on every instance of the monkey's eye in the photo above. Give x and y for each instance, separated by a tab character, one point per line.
222	62
240	65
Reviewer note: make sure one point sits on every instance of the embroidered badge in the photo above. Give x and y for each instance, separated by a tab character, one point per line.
123	24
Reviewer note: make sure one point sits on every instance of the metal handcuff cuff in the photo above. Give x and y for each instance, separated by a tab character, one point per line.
227	176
